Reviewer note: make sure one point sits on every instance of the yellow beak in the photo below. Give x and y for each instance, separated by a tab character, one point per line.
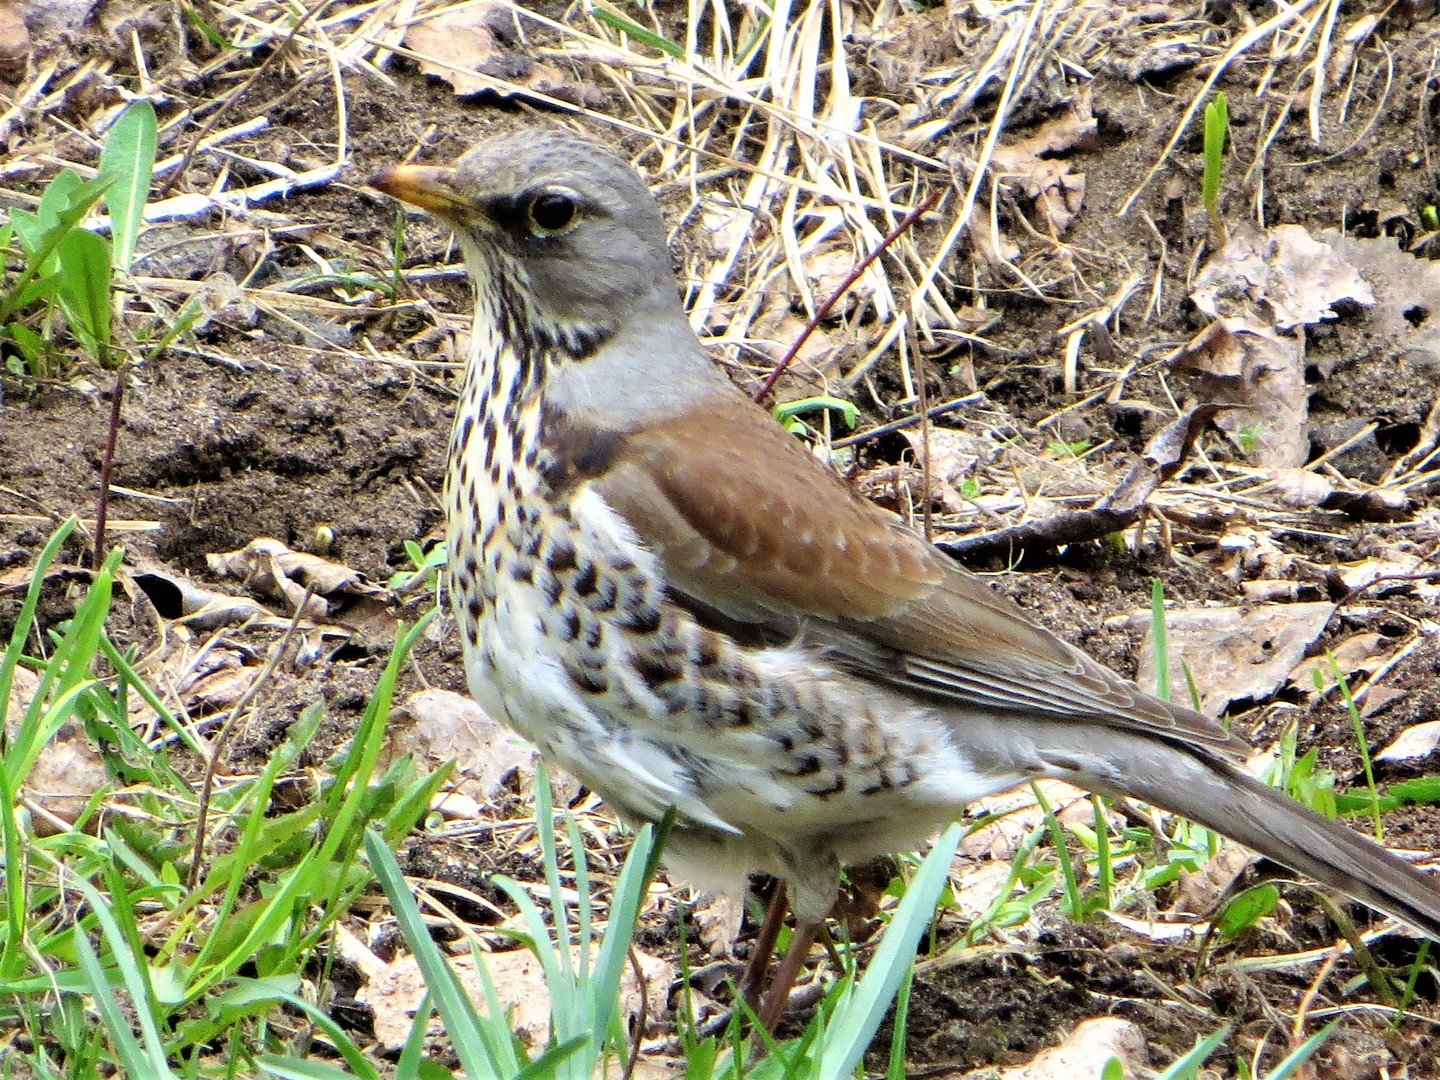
429	187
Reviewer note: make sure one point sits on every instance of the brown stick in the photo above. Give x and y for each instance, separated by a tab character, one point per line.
107	462
824	311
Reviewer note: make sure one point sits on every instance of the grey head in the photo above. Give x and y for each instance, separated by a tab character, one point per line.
574	228
578	221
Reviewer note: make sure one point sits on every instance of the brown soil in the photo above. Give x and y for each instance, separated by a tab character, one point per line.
260	429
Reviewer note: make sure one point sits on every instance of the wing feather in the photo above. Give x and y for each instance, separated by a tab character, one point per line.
748	525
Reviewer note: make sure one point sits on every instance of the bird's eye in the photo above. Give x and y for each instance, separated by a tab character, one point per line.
552	211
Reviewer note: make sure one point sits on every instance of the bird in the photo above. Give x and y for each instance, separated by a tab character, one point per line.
677	602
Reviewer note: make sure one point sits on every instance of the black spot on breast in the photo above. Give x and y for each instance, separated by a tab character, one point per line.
835	787
586	579
605	596
569	624
549	586
808	765
561	556
475	607
642	618
707	650
655	670
591	682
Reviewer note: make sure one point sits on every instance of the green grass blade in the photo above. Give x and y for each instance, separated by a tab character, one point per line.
1189	1065
293	1068
131	1055
26	619
128	159
636	32
1302	1053
137	984
474	1045
858	1016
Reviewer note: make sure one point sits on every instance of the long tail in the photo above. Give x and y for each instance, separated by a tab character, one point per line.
1221	797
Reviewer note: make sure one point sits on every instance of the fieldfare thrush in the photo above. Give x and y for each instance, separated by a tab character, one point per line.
666	593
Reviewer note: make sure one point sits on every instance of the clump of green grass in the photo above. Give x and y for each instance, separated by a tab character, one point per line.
99	921
51	263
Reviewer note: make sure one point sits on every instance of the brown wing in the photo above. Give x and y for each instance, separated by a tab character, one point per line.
749	525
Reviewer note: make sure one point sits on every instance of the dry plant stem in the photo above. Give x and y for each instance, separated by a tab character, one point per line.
1379	981
239	92
1165	453
881	430
824	310
1307	999
227	729
107	463
912	341
642	1018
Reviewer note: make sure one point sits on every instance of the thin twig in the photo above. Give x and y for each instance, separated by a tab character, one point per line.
107	463
824	310
881	430
228	728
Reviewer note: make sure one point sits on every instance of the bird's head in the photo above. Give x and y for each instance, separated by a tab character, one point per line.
558	218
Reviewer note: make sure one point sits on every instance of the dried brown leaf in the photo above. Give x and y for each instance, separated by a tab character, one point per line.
473	46
1235	654
1281	278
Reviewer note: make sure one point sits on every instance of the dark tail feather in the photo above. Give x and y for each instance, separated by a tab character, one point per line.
1223	798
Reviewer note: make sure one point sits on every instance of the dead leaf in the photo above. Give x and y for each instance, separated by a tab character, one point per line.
519	981
478	48
826	270
1359	654
179	599
776	328
1085	1052
1283	277
1260	374
14	43
1050	182
1259	287
717	918
1418	741
69	770
446	726
955	454
272	569
1234	654
1019	815
1302	489
1200	892
1407	294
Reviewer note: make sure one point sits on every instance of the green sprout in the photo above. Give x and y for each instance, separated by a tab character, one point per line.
788	412
1217	125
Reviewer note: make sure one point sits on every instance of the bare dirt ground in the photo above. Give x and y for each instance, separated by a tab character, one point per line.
308	399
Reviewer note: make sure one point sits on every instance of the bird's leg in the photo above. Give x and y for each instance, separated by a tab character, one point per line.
778	995
828	940
763	949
